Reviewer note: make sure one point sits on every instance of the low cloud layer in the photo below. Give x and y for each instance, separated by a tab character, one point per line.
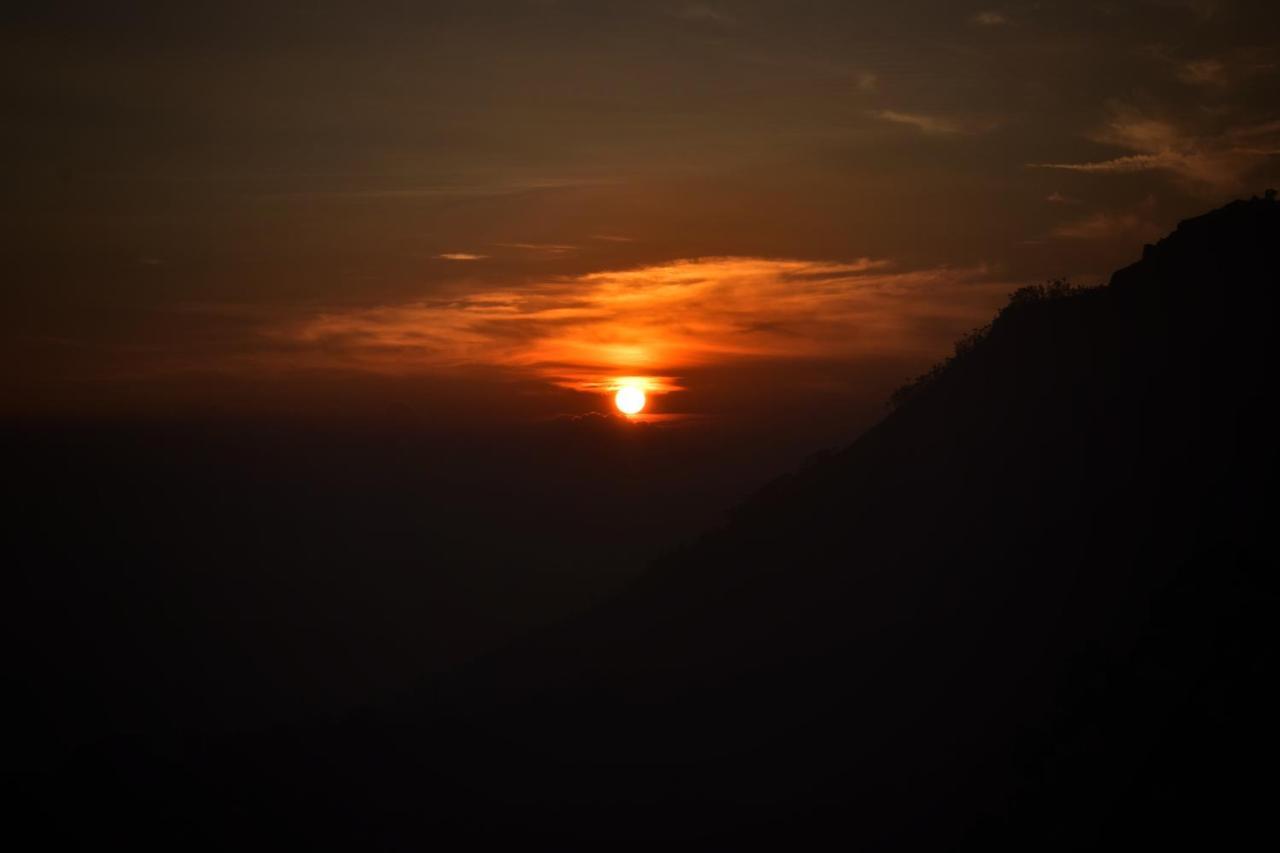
657	322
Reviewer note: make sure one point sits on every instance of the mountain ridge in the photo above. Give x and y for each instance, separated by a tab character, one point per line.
1027	608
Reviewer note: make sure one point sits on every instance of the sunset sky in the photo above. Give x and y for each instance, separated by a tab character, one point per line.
496	210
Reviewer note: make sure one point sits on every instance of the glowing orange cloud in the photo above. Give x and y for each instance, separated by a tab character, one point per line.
652	323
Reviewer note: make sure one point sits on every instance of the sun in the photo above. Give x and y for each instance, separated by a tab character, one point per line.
629	399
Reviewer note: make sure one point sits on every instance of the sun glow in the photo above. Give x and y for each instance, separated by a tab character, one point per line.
637	334
630	399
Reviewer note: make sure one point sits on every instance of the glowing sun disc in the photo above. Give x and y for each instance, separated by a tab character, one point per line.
629	399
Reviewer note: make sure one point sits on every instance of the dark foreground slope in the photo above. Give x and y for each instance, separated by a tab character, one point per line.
1032	607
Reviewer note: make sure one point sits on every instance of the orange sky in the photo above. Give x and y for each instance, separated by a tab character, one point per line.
368	205
655	323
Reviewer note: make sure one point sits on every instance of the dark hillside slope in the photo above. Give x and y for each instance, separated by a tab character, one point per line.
1030	607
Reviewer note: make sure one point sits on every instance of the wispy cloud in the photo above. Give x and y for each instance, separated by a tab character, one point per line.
1131	163
1220	161
445	191
1227	69
461	256
546	248
990	18
585	331
1134	223
1104	226
1203	72
705	13
921	122
1201	9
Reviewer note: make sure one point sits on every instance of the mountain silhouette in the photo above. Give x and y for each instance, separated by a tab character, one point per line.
1031	607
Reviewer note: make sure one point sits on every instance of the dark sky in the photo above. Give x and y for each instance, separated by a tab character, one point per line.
492	211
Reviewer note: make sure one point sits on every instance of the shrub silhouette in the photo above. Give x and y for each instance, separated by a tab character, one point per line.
971	341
